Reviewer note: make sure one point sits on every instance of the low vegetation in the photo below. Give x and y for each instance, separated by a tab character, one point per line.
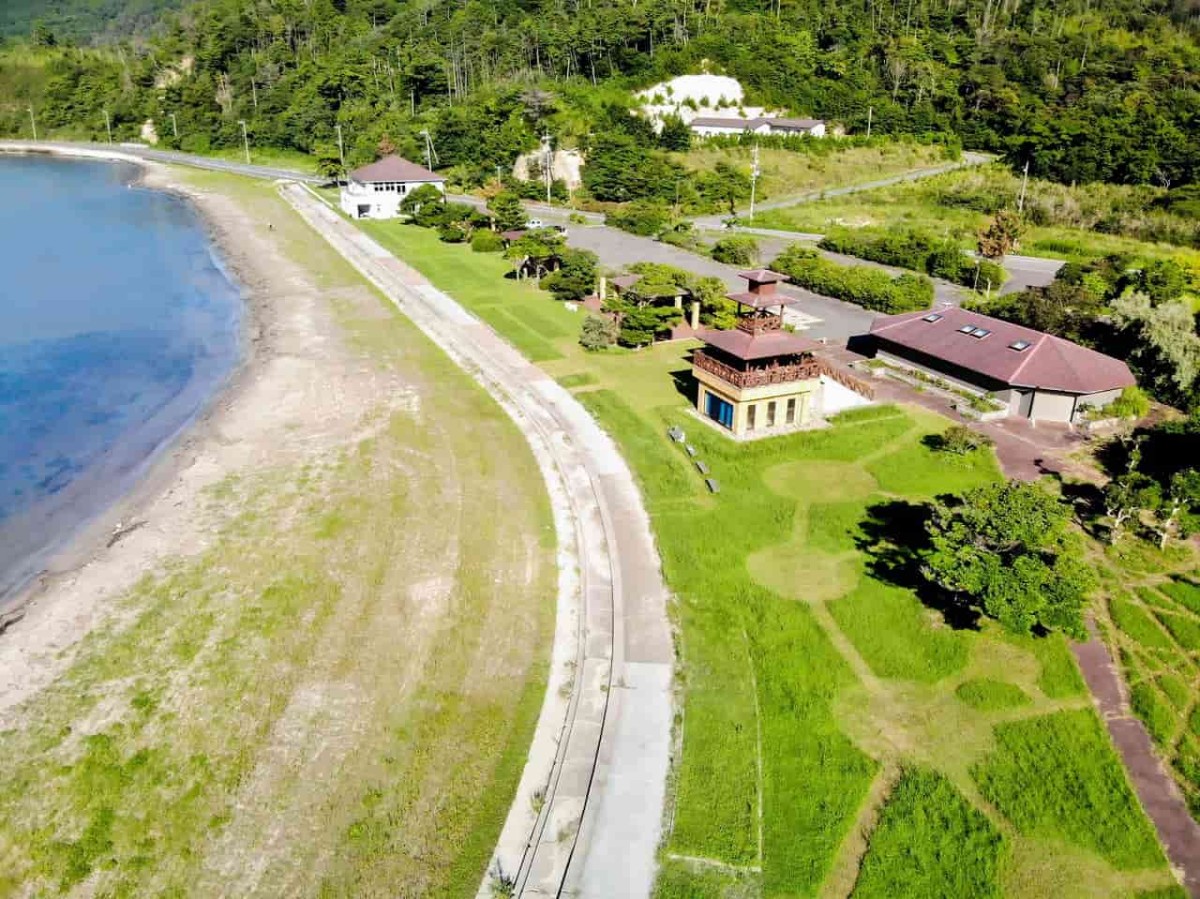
919	251
816	664
868	287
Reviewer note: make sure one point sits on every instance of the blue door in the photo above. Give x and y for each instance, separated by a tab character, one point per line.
720	411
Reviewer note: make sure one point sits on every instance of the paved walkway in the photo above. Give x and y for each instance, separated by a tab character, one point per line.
587	817
1155	787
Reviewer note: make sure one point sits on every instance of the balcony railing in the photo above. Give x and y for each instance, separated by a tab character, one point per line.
768	375
757	324
763	376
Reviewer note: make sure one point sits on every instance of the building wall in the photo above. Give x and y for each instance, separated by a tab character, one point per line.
384	204
1049	405
1002	392
805	394
835	397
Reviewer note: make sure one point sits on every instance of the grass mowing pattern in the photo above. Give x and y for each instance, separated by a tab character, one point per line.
759	571
1056	776
1137	624
988	695
930	842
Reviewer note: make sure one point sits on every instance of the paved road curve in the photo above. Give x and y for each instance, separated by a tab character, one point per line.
604	783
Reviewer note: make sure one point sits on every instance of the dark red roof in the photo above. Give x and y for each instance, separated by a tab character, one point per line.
515	234
624	282
762	300
394	168
1046	362
744	345
762	276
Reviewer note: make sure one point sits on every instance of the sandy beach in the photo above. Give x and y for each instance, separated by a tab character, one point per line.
291	376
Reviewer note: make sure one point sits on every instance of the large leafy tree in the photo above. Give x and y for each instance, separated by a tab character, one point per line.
1008	550
576	275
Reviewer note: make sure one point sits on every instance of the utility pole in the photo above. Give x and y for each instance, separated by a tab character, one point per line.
753	179
341	147
1024	185
245	139
108	125
254	92
430	153
33	122
547	165
174	126
870	115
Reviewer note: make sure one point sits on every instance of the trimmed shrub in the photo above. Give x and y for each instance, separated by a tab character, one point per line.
487	242
736	250
642	218
452	234
917	250
598	333
868	287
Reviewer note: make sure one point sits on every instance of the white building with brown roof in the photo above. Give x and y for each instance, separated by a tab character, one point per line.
1032	374
376	190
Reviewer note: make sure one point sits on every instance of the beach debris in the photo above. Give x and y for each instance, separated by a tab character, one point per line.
122	530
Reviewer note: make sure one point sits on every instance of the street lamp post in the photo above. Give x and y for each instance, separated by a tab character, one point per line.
33	122
245	139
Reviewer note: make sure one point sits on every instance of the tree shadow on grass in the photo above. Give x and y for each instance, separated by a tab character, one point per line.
894	539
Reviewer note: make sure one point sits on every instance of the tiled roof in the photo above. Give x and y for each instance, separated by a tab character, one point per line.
805	124
726	122
758	346
394	168
762	276
1012	354
762	300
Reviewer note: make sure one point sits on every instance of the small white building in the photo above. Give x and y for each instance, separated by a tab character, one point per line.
375	190
709	126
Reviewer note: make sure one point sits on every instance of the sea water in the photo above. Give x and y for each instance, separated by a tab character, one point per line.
117	325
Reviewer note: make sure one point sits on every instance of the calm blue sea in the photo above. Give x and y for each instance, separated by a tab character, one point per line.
117	325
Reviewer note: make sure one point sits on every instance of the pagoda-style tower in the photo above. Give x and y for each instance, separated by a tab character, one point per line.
757	377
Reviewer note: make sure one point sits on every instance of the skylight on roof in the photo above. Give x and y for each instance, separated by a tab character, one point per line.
1019	345
932	317
980	333
966	329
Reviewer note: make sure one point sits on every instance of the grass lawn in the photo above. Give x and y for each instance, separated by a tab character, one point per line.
810	675
1153	627
787	173
323	701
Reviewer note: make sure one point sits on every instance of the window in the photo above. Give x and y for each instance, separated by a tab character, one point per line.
719	410
980	333
966	329
932	317
750	416
771	414
790	418
1019	345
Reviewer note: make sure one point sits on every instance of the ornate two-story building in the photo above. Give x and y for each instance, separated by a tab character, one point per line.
761	378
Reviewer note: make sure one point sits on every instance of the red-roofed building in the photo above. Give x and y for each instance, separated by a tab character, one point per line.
1035	375
760	378
376	190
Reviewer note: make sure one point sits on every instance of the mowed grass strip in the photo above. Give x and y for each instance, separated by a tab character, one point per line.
1057	776
987	695
1137	624
1184	591
930	842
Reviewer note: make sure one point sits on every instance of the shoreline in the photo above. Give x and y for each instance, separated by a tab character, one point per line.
40	618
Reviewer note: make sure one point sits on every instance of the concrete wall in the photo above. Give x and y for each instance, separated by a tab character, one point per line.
836	397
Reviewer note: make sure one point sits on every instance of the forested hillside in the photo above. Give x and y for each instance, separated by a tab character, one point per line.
83	20
1082	90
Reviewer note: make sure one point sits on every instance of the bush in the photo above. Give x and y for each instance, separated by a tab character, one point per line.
961	441
598	333
737	250
487	242
869	288
917	250
452	234
643	218
1132	403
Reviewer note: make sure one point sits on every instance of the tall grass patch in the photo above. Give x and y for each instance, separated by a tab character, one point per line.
1057	776
929	841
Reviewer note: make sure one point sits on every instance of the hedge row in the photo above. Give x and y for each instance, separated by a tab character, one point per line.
916	250
868	287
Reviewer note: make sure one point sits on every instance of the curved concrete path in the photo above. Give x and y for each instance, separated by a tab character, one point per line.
587	817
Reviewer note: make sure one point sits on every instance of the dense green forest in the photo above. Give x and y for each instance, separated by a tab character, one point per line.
1084	90
83	20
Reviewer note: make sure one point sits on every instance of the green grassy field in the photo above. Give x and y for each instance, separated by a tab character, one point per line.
934	204
336	696
1153	627
811	678
787	173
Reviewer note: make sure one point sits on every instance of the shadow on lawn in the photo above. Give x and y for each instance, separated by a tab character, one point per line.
894	538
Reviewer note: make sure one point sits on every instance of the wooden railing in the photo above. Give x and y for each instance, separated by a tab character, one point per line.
768	375
756	377
757	324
